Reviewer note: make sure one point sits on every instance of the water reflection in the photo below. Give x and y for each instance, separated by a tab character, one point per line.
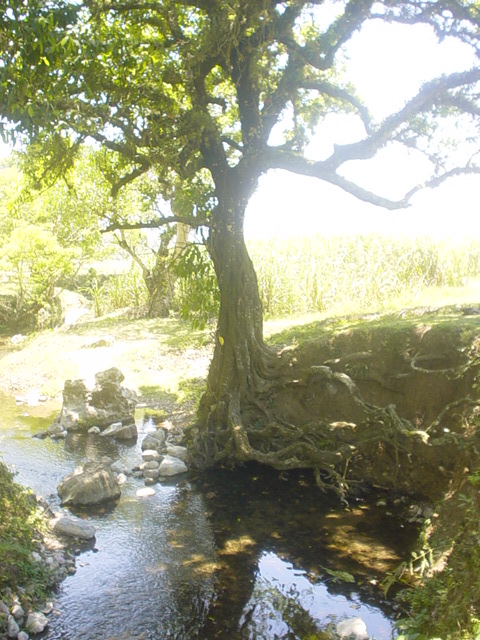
240	555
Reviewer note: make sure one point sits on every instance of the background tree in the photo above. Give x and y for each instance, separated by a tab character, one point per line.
47	236
219	93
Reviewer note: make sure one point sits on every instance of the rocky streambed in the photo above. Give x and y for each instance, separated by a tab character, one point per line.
239	555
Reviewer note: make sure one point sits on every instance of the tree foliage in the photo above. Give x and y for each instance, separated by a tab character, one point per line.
208	95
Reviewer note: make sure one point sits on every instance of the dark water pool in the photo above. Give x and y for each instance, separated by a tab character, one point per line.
247	555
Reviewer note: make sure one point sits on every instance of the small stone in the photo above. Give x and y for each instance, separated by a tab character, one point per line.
4	609
23	636
12	627
17	611
145	491
150	481
94	430
36	557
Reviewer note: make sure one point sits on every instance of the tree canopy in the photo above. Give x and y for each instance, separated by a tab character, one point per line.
196	88
208	95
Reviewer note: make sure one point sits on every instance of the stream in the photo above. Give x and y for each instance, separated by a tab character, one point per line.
247	554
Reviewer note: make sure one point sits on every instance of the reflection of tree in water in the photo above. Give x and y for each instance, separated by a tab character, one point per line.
274	613
255	511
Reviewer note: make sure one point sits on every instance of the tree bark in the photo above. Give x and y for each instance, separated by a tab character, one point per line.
241	362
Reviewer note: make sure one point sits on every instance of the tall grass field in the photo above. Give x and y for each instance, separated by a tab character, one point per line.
343	274
331	275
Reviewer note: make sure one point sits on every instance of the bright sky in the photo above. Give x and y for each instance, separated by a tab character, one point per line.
388	64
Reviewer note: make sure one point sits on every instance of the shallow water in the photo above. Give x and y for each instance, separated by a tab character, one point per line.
251	554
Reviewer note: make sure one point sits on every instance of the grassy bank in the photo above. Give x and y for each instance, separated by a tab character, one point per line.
20	524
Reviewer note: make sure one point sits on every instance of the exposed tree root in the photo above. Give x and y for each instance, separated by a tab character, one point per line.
287	417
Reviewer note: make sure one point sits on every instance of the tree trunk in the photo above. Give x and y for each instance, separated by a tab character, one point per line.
241	360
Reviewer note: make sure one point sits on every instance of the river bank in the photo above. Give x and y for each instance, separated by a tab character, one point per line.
166	364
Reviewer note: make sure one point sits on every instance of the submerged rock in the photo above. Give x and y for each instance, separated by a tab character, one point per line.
74	527
121	431
145	492
90	484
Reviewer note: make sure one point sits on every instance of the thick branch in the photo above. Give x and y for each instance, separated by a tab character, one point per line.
432	93
157	223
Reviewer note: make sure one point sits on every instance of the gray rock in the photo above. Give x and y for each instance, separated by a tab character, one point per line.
55	429
74	527
154	440
12	627
107	403
171	466
36	622
352	629
91	483
151	464
151	454
94	430
4	609
151	474
23	636
121	431
17	611
121	478
177	451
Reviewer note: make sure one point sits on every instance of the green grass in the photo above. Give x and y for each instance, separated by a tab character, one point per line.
19	525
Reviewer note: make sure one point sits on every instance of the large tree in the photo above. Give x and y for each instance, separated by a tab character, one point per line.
214	94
